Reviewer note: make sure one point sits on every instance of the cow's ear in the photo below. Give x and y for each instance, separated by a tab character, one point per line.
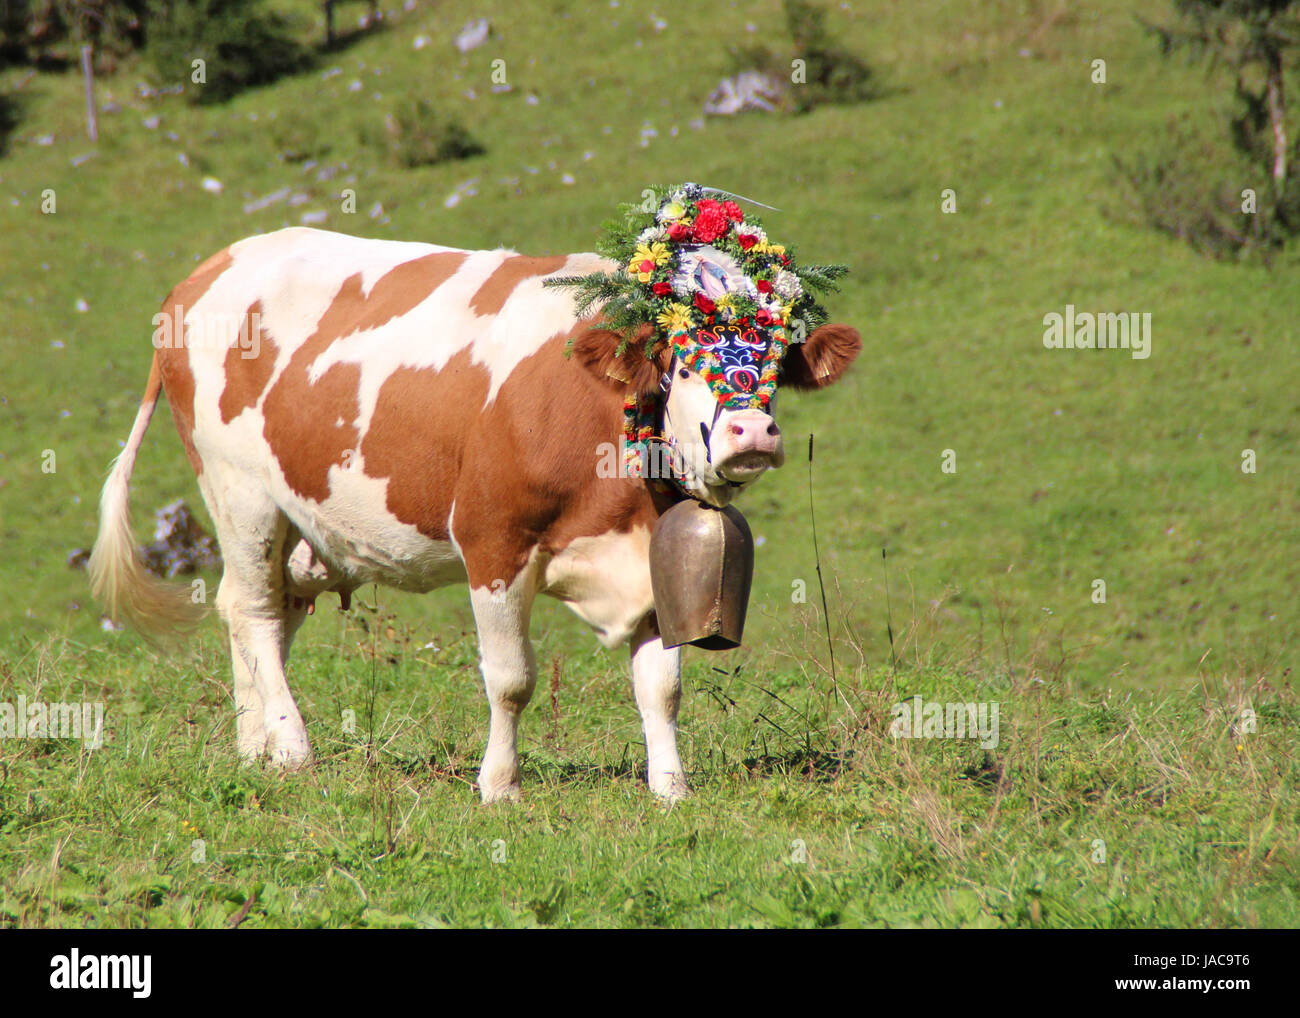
822	358
596	349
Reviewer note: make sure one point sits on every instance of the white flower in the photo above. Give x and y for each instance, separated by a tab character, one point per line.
747	230
651	234
787	285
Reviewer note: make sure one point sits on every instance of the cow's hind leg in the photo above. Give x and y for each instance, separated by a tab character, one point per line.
509	674
252	531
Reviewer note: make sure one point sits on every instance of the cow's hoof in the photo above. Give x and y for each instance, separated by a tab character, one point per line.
502	793
670	788
290	756
251	752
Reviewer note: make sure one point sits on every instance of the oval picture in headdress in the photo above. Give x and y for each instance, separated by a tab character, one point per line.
706	270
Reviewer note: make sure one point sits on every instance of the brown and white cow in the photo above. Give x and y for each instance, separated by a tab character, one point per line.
366	411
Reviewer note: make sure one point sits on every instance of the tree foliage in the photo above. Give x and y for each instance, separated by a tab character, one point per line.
1257	41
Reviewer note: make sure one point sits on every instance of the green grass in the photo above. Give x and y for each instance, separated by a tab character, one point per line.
1071	466
1096	811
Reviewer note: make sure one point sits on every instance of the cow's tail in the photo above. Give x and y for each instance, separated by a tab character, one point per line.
118	576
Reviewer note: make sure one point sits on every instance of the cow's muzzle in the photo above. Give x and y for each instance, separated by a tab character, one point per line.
747	443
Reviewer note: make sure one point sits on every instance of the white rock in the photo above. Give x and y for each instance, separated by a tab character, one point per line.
748	90
473	35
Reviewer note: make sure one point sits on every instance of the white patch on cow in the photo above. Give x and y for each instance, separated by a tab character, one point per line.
359	536
605	580
427	336
531	315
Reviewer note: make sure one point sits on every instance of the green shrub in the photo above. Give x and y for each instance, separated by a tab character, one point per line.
299	136
417	135
240	43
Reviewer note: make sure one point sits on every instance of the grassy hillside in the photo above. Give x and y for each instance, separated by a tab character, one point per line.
1071	466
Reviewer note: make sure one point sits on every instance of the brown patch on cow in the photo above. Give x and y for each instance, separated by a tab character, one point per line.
418	436
497	288
311	426
174	359
528	469
247	377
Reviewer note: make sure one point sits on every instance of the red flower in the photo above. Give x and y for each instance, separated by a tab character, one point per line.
710	221
765	317
677	230
662	289
647	265
733	211
763	286
746	240
705	304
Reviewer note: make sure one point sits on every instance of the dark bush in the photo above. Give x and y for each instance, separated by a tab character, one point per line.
834	75
49	32
1191	187
240	43
418	135
829	74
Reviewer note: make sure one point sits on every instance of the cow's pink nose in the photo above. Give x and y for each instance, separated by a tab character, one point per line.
758	433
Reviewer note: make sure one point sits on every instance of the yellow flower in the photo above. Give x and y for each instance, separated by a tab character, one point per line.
677	318
776	249
646	258
673	210
657	252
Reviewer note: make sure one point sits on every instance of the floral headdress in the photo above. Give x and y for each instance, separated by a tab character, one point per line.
713	285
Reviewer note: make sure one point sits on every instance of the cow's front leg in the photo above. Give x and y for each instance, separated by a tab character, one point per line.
501	613
657	683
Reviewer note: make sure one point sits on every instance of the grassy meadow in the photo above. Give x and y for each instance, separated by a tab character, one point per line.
1145	772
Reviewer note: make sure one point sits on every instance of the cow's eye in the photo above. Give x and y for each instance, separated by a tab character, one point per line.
683	373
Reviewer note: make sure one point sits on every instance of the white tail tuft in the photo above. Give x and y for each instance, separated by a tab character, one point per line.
118	576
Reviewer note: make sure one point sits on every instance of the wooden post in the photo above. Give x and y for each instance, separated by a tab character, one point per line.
88	69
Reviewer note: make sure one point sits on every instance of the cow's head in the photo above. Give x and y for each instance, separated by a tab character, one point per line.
719	450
